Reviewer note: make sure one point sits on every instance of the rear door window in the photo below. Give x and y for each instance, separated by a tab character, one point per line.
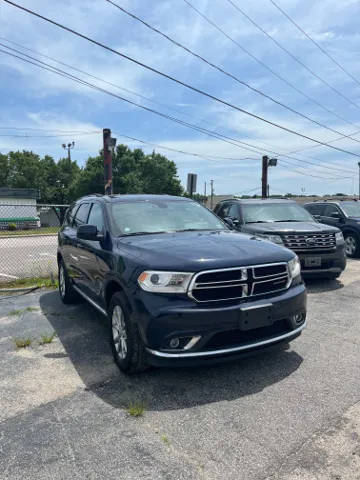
82	214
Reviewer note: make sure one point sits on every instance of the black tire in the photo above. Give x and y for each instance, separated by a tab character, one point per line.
129	351
66	290
352	245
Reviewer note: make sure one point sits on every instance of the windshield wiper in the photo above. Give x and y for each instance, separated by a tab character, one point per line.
196	229
144	233
289	220
261	221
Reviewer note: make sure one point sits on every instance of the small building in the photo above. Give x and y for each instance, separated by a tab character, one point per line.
18	208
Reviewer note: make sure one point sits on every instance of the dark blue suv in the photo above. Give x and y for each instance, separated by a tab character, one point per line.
343	214
177	285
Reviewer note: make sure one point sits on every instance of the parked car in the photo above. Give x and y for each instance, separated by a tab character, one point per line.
320	247
176	284
344	215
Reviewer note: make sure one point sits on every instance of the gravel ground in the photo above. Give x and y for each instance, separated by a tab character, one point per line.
291	414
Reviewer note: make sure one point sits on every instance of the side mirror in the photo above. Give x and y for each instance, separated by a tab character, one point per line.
336	215
317	217
88	232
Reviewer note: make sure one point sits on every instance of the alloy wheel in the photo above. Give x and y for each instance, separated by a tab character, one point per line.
119	332
62	282
350	245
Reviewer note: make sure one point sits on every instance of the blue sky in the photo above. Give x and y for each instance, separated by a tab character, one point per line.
34	98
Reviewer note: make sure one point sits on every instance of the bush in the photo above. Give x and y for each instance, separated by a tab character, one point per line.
12	226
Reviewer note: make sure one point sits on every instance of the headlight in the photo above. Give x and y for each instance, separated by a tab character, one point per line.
339	237
164	282
272	238
294	267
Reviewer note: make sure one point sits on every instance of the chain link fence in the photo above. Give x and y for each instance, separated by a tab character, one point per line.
28	239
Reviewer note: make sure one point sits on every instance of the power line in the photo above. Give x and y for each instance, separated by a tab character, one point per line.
180	82
264	65
70	132
292	55
127	90
170	149
168	117
325	52
86	73
224	72
46	136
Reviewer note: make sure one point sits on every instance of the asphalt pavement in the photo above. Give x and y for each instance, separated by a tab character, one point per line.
27	256
291	414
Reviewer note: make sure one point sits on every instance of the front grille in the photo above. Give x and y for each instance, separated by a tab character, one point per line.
237	283
310	241
231	338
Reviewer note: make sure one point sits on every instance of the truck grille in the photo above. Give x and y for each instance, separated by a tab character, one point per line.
239	282
312	241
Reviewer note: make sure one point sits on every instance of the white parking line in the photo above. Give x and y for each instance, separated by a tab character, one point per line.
9	276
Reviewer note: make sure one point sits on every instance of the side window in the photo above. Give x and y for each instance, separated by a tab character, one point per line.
224	210
233	211
315	209
69	217
96	217
330	209
82	214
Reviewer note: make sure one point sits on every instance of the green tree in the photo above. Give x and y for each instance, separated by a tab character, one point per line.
4	170
133	172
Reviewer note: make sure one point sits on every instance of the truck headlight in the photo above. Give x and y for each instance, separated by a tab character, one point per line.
339	238
164	282
272	238
294	267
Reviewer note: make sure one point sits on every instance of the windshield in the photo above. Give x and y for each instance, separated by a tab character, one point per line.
352	209
154	216
275	212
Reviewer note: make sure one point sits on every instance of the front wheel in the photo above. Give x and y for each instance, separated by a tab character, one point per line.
126	344
352	245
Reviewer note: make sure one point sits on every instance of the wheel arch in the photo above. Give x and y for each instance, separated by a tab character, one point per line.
114	286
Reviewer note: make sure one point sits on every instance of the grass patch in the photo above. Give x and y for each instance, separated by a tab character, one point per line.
45	339
46	282
136	409
19	312
36	231
165	439
22	342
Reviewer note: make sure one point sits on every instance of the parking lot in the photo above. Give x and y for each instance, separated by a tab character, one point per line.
290	414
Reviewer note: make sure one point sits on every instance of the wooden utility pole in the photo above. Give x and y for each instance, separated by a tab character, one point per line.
108	149
264	177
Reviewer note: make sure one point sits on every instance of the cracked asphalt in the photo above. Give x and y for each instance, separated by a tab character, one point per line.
289	414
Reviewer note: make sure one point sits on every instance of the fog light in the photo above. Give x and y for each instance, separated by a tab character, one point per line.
174	343
298	318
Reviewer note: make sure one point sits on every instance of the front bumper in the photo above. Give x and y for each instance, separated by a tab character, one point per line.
223	330
332	263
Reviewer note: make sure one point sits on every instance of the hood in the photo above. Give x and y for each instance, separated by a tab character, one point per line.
196	251
289	227
356	219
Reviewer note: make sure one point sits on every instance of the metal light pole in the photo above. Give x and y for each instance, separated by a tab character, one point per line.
266	163
68	147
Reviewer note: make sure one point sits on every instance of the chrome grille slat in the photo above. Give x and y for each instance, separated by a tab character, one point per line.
250	277
315	241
